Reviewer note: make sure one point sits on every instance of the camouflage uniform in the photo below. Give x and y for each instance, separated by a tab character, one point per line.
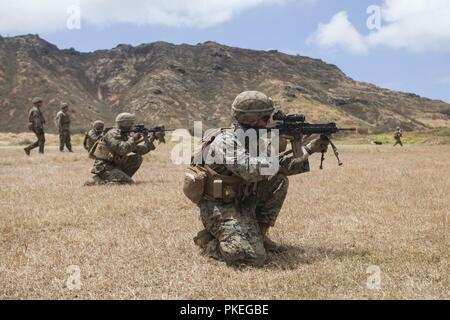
37	121
127	159
63	122
236	226
398	137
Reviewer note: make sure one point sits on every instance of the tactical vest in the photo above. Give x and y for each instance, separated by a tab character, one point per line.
33	113
100	151
62	120
201	181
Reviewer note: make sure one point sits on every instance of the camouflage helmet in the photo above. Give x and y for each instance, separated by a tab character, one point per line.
251	106
125	117
98	124
37	100
64	105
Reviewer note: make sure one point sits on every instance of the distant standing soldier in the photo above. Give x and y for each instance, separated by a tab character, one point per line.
63	124
119	153
36	124
398	136
94	134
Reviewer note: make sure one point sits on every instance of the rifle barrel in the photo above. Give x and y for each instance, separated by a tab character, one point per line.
153	129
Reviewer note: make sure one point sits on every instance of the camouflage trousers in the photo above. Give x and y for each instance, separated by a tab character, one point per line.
40	135
398	141
236	227
64	140
116	173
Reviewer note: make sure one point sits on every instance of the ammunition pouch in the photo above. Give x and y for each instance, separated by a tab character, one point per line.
194	183
223	188
202	182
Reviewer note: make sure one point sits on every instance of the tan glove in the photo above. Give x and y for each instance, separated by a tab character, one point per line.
317	145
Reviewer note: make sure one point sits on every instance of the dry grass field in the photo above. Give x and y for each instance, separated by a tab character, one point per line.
386	208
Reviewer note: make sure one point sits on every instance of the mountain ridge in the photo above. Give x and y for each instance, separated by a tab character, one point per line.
178	84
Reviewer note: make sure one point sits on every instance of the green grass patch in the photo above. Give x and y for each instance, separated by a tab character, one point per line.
77	139
437	136
446	111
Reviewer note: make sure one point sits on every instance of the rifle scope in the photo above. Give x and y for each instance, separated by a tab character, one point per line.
281	116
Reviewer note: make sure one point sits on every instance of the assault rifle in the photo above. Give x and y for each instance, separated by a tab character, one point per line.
295	127
141	129
158	131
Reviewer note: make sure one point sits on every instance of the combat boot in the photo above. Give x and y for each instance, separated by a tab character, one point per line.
270	245
27	151
94	181
203	238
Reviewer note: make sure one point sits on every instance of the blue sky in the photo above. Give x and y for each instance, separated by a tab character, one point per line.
410	52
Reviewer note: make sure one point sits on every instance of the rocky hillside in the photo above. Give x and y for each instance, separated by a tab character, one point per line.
177	84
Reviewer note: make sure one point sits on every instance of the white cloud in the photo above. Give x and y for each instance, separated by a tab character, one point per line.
414	25
51	15
339	32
